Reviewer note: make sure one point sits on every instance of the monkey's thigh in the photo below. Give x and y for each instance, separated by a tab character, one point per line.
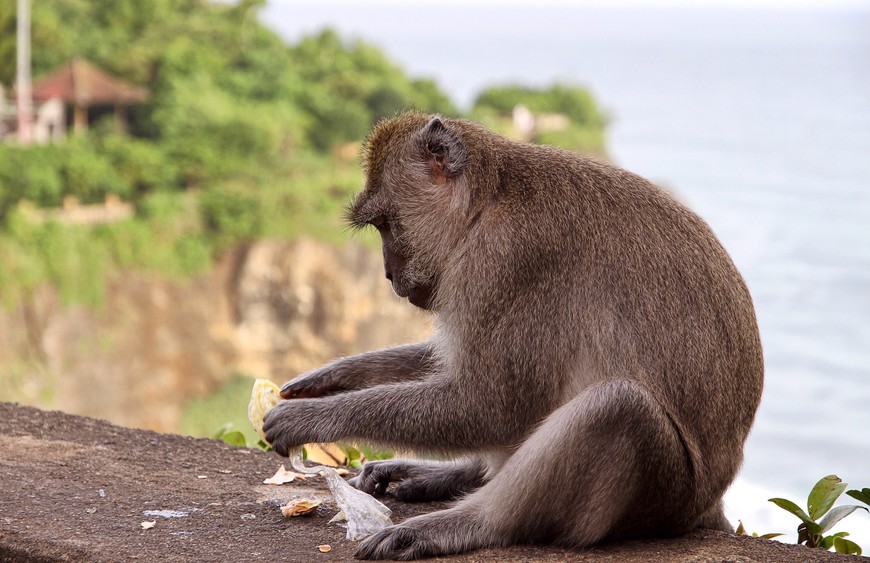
607	464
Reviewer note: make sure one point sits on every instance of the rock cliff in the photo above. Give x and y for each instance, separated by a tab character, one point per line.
269	309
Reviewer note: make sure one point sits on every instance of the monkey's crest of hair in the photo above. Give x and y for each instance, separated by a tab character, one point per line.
389	137
423	149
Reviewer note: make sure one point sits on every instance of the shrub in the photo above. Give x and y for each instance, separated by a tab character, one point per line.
232	213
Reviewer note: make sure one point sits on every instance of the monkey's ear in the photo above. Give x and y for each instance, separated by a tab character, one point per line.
444	151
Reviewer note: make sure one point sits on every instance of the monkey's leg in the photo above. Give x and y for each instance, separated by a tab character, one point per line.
422	480
390	365
714	519
607	464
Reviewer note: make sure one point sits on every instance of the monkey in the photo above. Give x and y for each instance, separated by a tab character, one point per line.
595	365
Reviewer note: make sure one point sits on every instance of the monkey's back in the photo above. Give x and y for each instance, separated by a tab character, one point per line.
656	295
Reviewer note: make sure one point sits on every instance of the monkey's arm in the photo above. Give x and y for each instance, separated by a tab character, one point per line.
390	365
431	414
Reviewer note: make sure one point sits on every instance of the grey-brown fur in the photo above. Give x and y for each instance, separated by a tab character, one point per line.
595	347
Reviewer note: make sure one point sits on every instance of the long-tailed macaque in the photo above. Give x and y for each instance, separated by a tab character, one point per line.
596	356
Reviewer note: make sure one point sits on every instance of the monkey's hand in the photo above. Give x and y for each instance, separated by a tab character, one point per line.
390	365
320	382
294	423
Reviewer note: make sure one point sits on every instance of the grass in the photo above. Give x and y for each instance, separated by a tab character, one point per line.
202	416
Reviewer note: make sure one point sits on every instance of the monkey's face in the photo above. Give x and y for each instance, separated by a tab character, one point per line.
410	274
413	169
418	289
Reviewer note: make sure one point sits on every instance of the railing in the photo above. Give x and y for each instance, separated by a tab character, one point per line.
113	209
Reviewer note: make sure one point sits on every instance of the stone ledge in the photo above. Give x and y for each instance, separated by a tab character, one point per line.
76	489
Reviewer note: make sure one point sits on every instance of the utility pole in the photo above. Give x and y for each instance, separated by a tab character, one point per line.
22	88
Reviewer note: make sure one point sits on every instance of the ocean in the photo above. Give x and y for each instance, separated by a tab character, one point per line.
759	119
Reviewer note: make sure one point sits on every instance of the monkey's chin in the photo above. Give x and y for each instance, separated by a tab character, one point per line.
419	296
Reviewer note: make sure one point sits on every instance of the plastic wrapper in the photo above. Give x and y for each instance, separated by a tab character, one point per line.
365	514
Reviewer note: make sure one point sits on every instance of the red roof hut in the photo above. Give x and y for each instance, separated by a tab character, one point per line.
82	85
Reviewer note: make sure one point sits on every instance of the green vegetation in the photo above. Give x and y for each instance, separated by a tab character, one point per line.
222	412
585	131
820	517
233	145
243	137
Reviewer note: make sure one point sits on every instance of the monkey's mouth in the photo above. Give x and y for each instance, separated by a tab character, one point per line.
420	296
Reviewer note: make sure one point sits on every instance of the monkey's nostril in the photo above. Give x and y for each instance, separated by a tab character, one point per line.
389	276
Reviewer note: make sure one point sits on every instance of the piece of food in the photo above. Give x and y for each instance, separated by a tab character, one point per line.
147	525
325	548
325	454
264	396
284	476
299	507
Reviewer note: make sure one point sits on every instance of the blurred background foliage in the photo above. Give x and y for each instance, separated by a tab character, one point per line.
243	137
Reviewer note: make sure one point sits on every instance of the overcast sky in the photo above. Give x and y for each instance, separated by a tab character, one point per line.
865	4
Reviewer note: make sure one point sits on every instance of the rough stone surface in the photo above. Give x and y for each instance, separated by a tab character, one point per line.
77	489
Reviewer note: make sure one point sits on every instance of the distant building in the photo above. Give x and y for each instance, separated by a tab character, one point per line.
72	96
527	124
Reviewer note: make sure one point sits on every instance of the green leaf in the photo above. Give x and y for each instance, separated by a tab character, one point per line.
836	515
828	541
351	453
789	506
770	536
863	495
221	430
235	438
263	445
824	494
847	547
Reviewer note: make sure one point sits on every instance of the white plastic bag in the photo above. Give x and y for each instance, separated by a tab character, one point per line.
365	514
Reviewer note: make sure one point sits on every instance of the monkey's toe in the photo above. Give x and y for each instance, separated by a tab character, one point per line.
376	476
396	542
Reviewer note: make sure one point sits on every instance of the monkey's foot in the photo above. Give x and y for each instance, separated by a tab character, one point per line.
420	481
439	533
396	542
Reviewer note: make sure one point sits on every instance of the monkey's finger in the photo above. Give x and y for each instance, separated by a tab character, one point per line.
272	436
279	448
376	476
302	389
372	548
396	542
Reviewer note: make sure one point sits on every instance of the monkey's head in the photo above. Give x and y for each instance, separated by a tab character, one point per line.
419	197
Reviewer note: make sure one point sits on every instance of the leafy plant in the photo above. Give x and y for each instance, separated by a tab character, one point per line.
741	531
226	434
820	517
863	495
